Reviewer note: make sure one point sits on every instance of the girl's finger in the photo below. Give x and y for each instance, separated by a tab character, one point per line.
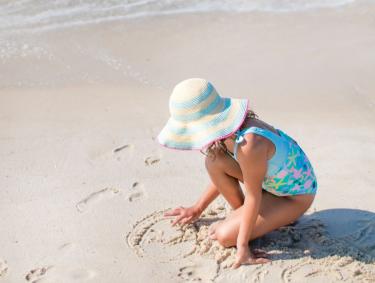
173	212
186	220
177	220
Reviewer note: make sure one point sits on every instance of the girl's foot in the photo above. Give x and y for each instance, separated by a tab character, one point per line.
212	230
260	253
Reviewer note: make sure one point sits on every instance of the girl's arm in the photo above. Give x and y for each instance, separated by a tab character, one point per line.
189	214
253	162
207	197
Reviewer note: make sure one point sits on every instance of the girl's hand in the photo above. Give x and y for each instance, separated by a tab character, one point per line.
184	215
244	256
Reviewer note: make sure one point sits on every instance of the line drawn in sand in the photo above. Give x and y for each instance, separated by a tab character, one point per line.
153	234
96	197
145	233
304	251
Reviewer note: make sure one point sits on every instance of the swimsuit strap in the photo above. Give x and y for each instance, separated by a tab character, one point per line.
256	130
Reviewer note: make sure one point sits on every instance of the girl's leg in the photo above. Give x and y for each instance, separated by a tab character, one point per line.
274	212
225	174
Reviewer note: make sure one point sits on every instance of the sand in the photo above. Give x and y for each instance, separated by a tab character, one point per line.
84	183
305	251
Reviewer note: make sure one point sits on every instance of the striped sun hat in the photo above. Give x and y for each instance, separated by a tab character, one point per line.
200	116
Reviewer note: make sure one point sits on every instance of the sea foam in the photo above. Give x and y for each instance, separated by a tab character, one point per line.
41	15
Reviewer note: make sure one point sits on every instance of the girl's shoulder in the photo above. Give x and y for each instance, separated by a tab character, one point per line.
255	122
257	143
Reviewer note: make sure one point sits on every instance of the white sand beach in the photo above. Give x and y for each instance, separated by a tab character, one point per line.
84	183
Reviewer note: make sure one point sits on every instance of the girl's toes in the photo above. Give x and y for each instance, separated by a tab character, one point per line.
213	236
259	253
211	233
212	228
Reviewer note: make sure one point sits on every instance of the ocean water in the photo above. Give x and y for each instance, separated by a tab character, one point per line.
41	15
58	42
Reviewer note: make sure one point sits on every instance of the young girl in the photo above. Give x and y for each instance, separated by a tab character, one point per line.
279	181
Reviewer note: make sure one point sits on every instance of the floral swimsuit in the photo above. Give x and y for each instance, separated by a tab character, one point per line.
289	171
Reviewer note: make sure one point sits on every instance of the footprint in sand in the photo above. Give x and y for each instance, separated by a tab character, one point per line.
151	160
3	267
96	197
201	270
188	273
137	192
37	274
100	153
118	151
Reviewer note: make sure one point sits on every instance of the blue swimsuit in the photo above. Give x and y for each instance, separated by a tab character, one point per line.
289	171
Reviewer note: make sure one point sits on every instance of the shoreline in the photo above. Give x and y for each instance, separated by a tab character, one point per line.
137	50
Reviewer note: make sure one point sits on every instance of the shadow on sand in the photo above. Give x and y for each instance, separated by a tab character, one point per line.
331	232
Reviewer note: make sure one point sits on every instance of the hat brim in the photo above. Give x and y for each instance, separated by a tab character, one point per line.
199	134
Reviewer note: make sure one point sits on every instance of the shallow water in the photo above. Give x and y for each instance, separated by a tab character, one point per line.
59	43
41	15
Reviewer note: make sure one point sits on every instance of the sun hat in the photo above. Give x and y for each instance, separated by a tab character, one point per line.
200	116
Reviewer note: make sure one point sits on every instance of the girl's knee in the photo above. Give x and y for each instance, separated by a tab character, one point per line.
216	160
224	236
